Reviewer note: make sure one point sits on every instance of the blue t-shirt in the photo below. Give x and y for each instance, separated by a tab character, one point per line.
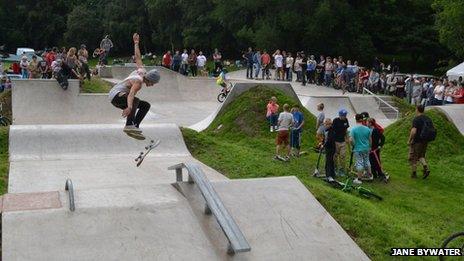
360	135
297	119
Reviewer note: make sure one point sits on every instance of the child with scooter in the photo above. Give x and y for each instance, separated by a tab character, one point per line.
378	140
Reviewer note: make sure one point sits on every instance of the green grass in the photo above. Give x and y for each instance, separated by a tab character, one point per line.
96	85
5	99
414	213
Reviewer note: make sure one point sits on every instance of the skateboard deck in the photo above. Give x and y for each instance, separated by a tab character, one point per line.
153	144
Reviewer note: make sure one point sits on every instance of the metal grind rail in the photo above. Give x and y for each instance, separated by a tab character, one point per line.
214	205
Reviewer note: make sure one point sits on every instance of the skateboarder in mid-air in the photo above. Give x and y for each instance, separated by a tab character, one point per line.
122	95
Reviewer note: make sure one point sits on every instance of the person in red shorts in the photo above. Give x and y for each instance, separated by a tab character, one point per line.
285	122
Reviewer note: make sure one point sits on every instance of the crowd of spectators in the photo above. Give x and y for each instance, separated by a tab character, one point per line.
348	75
192	63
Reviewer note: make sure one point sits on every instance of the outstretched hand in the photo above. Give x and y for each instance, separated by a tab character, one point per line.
136	38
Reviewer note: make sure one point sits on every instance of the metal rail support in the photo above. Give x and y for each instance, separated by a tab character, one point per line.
70	189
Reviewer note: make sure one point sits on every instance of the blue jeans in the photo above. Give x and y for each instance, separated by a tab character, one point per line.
250	70
257	67
273	120
328	79
24	73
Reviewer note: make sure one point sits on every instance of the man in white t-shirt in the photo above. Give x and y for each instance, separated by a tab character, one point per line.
285	122
201	62
184	63
278	60
438	93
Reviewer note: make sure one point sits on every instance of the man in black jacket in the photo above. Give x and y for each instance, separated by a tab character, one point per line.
329	146
378	140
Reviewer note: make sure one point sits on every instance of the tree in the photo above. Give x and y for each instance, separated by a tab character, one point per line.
449	22
82	27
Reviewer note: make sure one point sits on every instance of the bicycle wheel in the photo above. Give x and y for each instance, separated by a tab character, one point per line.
454	241
221	97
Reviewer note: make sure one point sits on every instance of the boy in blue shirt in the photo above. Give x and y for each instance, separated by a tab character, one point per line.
295	135
361	140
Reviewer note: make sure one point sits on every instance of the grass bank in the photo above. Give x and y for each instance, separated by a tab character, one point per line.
96	85
5	100
414	213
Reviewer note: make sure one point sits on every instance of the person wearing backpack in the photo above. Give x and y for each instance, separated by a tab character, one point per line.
422	132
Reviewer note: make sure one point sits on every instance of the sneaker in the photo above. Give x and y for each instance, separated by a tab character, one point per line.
271	129
132	128
357	181
330	179
287	158
367	177
426	174
276	157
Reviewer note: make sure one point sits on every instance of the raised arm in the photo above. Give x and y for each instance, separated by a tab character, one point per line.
137	54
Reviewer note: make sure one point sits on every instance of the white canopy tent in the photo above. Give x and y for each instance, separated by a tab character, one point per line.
456	72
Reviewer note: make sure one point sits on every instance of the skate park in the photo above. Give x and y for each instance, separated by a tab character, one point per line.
122	211
142	213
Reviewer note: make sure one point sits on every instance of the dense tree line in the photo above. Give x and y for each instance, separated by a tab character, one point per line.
421	31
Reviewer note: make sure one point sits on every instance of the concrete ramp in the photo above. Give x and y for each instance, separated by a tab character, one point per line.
237	90
278	216
454	113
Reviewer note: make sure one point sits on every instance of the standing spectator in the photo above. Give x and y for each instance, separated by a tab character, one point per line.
311	69
329	70
192	62
266	63
408	83
167	60
83	56
16	68
295	135
43	69
416	95
24	65
422	132
73	63
303	64
257	63
176	61
1	68
361	140
297	66
248	56
329	146
184	66
288	67
217	57
278	60
459	94
450	92
320	127
62	55
272	110
438	92
106	44
378	140
373	82
34	68
341	125
320	70
285	122
201	62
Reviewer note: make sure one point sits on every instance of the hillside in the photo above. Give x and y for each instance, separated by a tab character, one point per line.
414	213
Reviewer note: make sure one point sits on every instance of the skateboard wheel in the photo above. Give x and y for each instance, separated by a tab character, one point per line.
146	147
152	141
141	153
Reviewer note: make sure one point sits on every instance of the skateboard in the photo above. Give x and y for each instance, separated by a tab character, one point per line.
153	144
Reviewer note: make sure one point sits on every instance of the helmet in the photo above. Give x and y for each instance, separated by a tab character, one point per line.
153	76
342	112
